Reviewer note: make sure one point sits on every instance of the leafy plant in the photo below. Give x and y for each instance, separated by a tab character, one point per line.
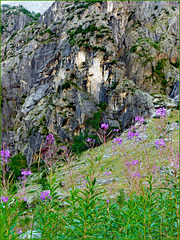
17	163
95	120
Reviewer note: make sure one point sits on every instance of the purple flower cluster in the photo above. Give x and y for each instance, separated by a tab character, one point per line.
84	178
107	173
132	134
134	162
90	140
45	195
50	138
5	156
22	197
108	200
160	143
64	148
139	119
105	126
161	112
26	172
4	199
136	174
18	230
117	140
116	130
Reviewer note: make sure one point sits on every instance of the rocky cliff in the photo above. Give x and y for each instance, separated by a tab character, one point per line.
80	60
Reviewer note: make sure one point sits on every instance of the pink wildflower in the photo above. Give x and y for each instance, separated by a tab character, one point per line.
160	143
117	140
116	130
137	174
88	140
50	138
5	155
139	119
161	112
45	195
4	199
105	126
19	231
26	172
132	134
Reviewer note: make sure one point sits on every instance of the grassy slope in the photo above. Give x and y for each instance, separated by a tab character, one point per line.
114	161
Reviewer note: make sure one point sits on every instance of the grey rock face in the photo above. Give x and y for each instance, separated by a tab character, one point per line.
12	20
34	98
57	71
127	102
175	92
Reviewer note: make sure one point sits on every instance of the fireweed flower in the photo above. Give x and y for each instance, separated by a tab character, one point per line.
5	156
139	119
107	173
64	148
18	230
116	130
136	174
4	199
45	195
134	162
161	112
105	126
26	172
117	140
133	134
7	169
50	138
88	140
22	197
160	143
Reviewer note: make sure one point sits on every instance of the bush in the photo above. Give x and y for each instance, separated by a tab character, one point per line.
37	15
99	35
17	163
133	48
176	65
66	85
48	30
164	82
102	106
5	5
113	61
3	28
71	105
95	120
114	85
159	65
79	144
